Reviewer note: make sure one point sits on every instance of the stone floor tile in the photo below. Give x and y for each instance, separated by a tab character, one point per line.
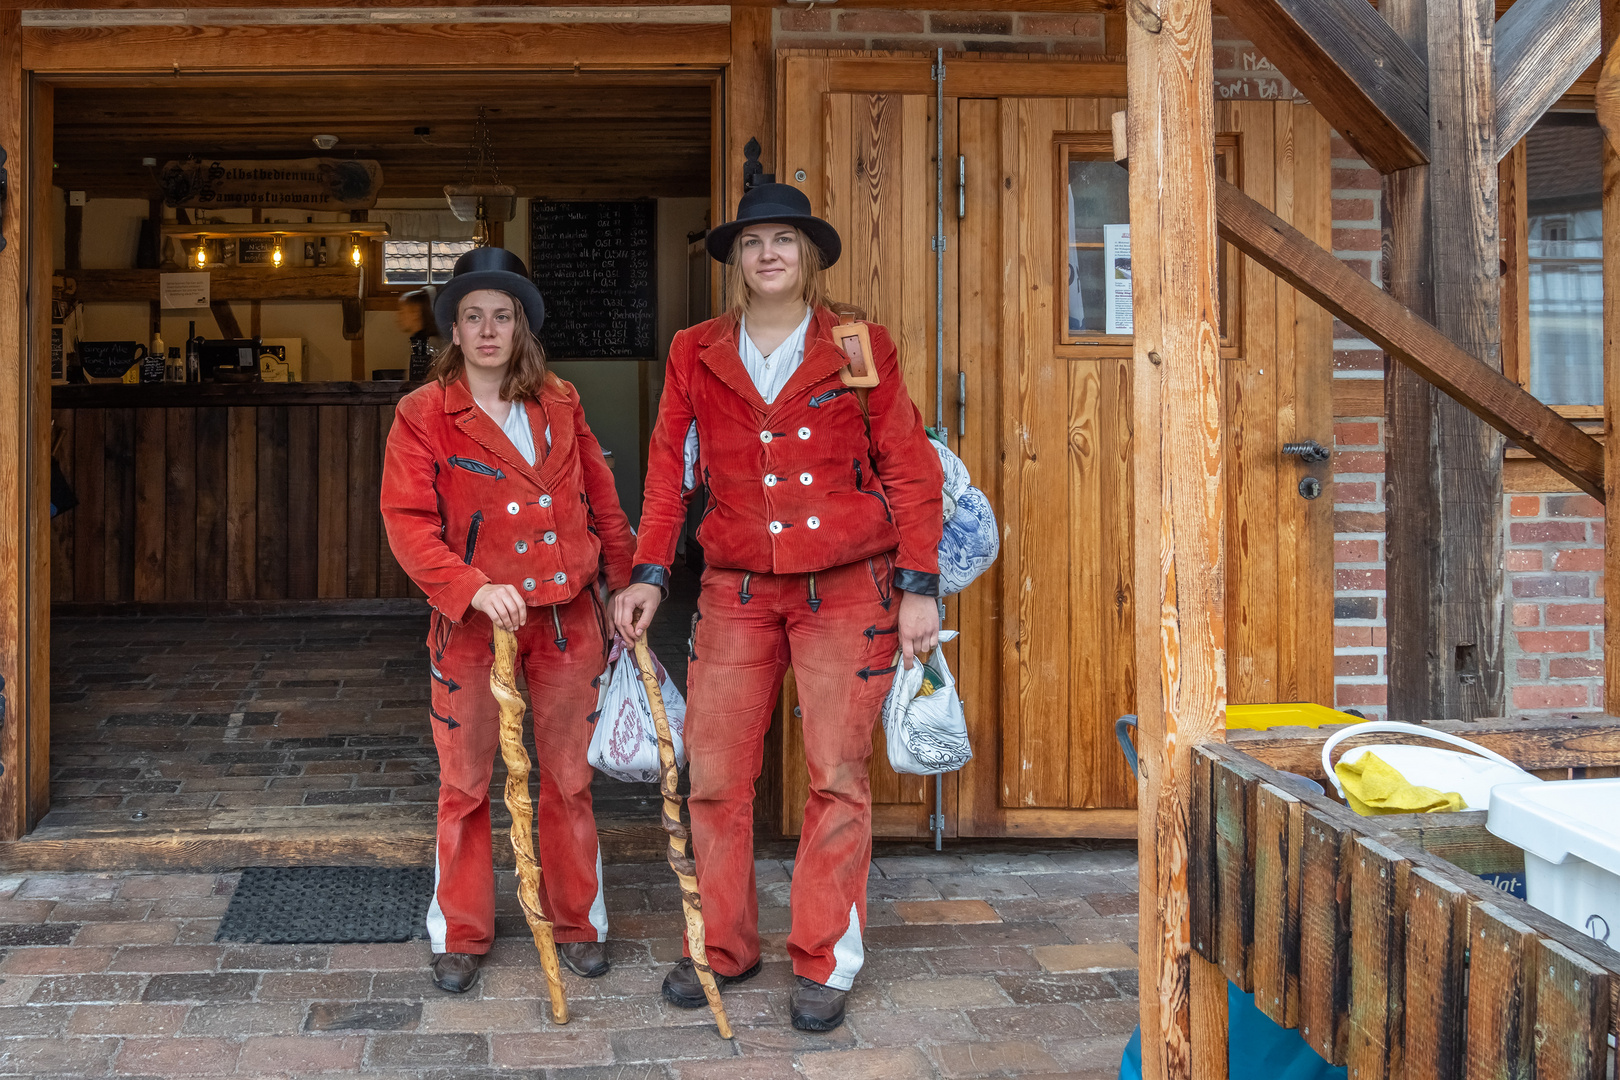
909	888
1112	1017
756	1067
159	932
25	911
447	1015
671	1044
1012	862
201	986
363	1016
778	1036
244	1018
1100	1055
163	886
550	1049
1109	956
1099	931
424	1051
921	865
98	911
274	957
68	887
301	1055
63	960
399	956
910	1027
645	1071
991	960
992	1058
42	1057
1031	1021
10	883
1111	904
1025	933
1046	989
177	1057
127	1020
941	912
17	989
98	988
907	1063
981	886
962	992
40	1020
169	958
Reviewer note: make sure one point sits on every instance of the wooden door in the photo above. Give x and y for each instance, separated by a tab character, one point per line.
1056	422
872	176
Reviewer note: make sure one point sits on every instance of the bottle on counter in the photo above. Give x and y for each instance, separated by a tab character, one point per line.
193	356
175	370
321	258
309	246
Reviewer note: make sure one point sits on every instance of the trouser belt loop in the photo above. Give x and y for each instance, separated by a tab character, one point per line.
743	595
815	601
556	621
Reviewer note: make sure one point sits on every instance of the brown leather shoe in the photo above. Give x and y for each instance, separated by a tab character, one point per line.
683	990
587	959
456	972
817	1007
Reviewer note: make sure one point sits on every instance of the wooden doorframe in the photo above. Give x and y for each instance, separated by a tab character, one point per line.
35	60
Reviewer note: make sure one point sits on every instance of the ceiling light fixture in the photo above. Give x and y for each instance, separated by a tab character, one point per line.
325	142
477	200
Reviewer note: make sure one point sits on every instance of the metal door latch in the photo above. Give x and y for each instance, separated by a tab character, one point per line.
1310	487
1309	450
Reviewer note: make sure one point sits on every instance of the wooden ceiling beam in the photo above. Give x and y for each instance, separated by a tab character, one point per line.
313	49
1541	48
1062	6
1363	306
1356	70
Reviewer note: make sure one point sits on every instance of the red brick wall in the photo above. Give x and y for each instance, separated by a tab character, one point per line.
1555	604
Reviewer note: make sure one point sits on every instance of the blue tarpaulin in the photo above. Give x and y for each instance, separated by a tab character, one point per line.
1259	1047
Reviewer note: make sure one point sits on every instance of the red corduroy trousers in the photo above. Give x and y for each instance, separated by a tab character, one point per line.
837	629
466	731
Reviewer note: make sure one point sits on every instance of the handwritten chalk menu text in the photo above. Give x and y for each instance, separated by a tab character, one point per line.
594	264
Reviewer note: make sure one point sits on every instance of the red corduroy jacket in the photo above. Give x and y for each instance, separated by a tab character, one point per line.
463	508
798	485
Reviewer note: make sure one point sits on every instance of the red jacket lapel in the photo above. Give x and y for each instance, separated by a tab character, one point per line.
719	353
821	358
477	425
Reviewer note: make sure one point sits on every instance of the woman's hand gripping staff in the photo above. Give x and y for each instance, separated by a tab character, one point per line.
503	683
679	860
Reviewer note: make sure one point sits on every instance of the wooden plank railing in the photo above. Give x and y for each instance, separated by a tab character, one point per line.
1386	957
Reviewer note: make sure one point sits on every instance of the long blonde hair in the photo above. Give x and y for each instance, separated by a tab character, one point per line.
525	374
811	278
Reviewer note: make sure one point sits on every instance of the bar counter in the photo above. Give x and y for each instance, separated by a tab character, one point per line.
210	494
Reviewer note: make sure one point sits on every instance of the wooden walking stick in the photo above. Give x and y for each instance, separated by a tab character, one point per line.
503	683
683	865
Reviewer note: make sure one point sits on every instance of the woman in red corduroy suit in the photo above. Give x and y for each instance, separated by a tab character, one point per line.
499	505
821	537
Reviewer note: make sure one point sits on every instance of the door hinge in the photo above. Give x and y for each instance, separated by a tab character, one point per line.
936	72
936	243
936	822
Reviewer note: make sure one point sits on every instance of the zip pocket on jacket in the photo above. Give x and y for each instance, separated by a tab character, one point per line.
472	535
473	465
878	495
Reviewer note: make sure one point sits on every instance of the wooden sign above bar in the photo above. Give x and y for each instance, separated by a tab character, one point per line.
301	184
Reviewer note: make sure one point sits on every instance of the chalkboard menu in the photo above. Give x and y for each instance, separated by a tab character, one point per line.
593	262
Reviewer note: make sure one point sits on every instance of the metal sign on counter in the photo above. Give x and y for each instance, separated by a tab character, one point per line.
300	184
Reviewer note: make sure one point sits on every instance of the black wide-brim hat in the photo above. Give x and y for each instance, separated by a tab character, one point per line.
776	204
488	268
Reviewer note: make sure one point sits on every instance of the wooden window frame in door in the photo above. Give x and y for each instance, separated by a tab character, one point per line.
1068	146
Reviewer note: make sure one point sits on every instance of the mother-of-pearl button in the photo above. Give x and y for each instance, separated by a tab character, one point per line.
764	436
522	546
545	501
560	578
770	479
776	526
814	523
512	508
550	538
528	584
804	433
804	478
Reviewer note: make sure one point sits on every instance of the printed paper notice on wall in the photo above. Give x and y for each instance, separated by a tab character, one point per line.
1117	277
183	290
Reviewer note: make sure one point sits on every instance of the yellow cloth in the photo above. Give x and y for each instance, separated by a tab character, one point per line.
1372	786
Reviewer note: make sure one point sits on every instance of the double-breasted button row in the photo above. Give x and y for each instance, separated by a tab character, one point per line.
767	436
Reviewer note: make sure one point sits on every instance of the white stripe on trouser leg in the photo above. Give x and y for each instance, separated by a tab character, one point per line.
848	955
599	905
436	926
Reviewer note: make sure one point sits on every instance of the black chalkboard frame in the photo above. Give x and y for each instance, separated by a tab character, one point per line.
556	352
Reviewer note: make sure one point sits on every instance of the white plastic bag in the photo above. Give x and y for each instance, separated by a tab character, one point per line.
923	721
971	540
625	742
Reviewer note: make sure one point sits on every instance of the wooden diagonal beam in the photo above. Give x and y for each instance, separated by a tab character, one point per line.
1542	47
1356	70
1485	392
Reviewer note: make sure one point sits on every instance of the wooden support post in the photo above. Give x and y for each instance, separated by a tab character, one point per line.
1444	487
750	92
1177	479
1608	94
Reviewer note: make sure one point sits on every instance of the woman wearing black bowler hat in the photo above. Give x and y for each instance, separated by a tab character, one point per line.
499	505
821	537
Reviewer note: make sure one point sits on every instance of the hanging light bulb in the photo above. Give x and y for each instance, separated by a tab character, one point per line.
275	255
354	250
202	253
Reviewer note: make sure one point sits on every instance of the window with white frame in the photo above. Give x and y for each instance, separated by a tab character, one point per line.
1564	193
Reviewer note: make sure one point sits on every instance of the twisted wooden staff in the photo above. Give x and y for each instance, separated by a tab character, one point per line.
685	869
503	683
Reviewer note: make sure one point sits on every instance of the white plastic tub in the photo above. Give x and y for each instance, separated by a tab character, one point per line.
1570	833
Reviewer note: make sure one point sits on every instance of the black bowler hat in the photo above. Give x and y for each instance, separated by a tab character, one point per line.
488	268
776	204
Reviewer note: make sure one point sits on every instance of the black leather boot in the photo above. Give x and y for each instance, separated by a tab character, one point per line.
817	1007
683	990
456	972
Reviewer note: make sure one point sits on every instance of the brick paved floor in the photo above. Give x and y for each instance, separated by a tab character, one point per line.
1006	960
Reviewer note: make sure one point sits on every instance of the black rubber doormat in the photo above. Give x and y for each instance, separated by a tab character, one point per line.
327	905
